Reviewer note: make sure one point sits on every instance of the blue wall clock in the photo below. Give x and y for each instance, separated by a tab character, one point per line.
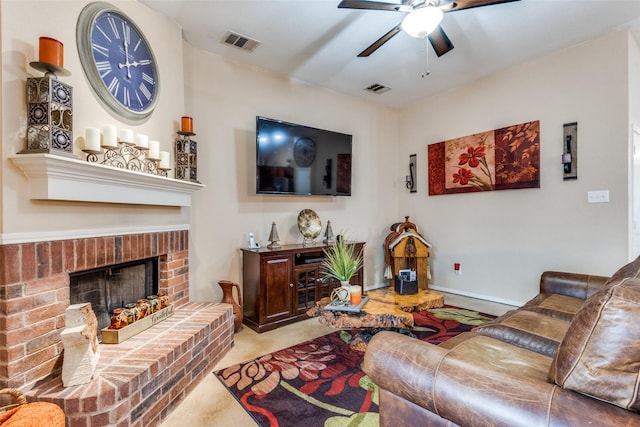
118	61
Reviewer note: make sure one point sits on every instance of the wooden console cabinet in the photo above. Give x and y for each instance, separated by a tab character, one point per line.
280	285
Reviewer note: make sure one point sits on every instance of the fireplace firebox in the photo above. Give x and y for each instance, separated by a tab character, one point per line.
108	288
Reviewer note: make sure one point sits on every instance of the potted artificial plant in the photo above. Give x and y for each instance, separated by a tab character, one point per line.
341	261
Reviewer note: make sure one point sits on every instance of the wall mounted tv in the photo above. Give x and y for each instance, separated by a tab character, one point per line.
301	160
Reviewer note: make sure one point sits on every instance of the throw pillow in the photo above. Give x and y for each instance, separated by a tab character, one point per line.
600	353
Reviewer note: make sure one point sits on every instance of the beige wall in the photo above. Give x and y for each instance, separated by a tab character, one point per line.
224	98
23	22
505	239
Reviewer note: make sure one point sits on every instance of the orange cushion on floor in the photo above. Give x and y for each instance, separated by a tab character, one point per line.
41	414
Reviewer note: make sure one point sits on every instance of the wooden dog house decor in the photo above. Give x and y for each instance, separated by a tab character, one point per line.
407	249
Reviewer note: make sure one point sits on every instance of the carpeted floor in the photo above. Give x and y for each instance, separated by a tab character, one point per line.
320	382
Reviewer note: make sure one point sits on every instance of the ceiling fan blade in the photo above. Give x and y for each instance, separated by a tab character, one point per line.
382	40
468	4
440	42
368	5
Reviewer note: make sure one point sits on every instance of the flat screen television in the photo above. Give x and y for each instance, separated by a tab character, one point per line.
301	160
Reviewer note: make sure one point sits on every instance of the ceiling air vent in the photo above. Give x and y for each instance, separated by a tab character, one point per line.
377	88
239	41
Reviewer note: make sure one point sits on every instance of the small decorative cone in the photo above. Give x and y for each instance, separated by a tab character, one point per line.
328	233
273	237
387	272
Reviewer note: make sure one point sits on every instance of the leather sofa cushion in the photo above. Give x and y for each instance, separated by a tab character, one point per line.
554	305
600	353
527	329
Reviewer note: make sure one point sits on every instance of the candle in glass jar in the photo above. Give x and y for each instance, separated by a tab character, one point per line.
51	51
126	136
355	295
187	124
164	160
154	150
92	139
109	136
142	141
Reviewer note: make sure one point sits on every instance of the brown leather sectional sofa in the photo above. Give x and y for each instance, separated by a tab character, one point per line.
568	357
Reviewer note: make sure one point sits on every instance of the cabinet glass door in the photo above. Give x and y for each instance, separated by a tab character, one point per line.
306	289
325	286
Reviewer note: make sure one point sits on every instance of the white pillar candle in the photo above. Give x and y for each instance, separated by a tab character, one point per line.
92	139
142	141
164	160
126	136
109	136
154	150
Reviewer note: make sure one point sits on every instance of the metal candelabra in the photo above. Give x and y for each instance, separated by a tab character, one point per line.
128	156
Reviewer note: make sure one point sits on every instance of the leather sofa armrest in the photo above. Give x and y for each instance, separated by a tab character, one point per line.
480	382
571	284
405	367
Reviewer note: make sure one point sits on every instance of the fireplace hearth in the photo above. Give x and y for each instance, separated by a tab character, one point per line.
132	387
37	292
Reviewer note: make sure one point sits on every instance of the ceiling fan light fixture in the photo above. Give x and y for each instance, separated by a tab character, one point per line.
420	22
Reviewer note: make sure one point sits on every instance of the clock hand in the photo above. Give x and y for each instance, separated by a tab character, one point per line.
126	58
137	64
126	52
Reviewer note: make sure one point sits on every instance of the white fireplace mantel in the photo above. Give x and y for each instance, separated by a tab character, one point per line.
53	177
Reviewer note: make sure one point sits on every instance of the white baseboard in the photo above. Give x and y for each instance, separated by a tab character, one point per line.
476	296
47	236
458	292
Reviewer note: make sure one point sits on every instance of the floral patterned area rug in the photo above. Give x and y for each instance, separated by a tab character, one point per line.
320	382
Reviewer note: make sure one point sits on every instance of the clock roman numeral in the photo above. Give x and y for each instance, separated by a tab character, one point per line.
147	78
138	98
114	86
137	45
100	49
103	33
145	91
104	68
127	98
114	28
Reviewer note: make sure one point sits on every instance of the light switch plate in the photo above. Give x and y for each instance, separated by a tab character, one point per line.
601	196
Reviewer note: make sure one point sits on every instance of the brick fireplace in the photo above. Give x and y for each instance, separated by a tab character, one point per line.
166	360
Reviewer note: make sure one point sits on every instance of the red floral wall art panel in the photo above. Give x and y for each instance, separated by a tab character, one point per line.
500	159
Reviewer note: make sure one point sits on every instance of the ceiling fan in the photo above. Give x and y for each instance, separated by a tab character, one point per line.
422	19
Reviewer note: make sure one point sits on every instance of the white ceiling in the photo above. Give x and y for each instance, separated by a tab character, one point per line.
315	42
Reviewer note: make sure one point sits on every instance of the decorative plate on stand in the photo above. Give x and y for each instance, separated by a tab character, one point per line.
309	224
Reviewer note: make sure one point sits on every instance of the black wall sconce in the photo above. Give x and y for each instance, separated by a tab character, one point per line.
410	180
570	151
